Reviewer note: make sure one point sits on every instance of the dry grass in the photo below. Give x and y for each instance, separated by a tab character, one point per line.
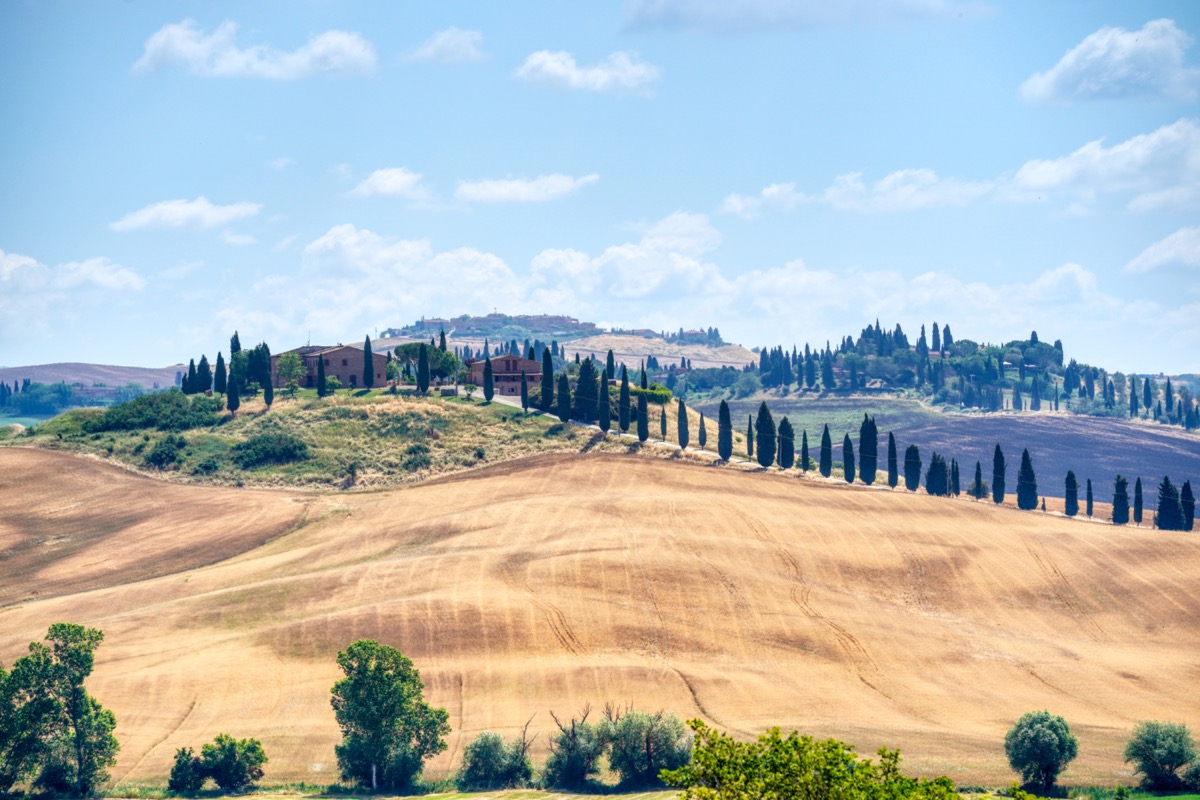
547	583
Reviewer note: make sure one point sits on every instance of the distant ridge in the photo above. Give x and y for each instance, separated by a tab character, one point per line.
91	374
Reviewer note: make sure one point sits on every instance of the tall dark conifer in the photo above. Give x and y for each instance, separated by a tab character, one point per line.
868	450
1071	504
805	461
750	436
1187	503
643	418
563	397
826	464
998	470
892	466
220	376
662	421
936	478
1169	516
847	459
623	408
1089	499
190	383
546	397
977	486
764	431
1137	501
368	364
1120	503
681	425
724	432
232	399
954	477
442	339
1027	492
603	400
268	394
489	380
787	444
912	468
702	436
610	366
524	393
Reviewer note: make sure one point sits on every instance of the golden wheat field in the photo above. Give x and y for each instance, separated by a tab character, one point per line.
746	599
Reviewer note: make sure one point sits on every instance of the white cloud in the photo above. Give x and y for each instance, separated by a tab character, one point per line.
620	71
217	55
97	272
451	46
198	213
237	239
1182	247
392	182
518	190
1116	63
903	190
283	244
777	195
281	163
740	15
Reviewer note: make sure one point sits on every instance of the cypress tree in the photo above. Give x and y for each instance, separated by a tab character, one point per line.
1169	396
235	345
585	391
847	459
564	397
724	433
977	487
936	480
805	461
524	393
623	401
1027	494
662	421
603	409
1137	501
422	369
611	366
1147	399
868	450
998	476
787	444
546	400
750	436
827	379
1120	503
322	390
645	385
232	399
703	436
442	339
1169	516
643	419
219	378
1071	506
826	465
912	468
489	381
954	485
1187	503
764	429
893	467
190	382
681	425
1089	498
1133	396
268	394
368	364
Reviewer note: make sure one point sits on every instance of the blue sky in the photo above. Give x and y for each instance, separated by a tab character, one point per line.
786	170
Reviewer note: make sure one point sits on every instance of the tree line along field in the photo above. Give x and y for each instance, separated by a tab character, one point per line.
1096	448
747	600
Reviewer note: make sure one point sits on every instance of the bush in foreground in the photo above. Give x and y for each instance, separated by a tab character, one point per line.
269	448
575	752
234	764
643	745
1159	750
491	763
1039	746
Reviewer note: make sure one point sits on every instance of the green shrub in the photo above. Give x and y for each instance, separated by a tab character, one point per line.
166	452
1039	746
187	773
166	411
575	753
207	467
1159	750
235	764
1191	777
269	448
491	763
643	745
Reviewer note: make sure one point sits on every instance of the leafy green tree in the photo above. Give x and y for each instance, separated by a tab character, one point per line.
603	409
423	369
547	394
187	773
1039	746
724	432
564	397
322	389
1120	503
1137	501
702	434
892	466
643	419
388	730
642	745
368	364
489	382
220	377
623	407
490	763
1027	493
805	461
524	393
575	752
290	369
793	768
1169	516
912	468
848	459
1071	507
235	764
764	434
681	424
998	470
868	450
1187	502
826	463
1158	750
787	444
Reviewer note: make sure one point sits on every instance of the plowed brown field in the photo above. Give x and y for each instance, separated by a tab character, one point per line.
746	599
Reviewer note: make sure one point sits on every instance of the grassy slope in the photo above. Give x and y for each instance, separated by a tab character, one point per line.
550	582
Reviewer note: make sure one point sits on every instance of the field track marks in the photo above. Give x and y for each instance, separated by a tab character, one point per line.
514	571
1065	592
163	738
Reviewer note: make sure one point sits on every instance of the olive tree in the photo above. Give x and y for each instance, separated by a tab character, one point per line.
1158	750
489	762
388	730
575	752
1039	746
643	745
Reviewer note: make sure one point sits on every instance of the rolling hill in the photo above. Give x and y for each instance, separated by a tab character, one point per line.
546	583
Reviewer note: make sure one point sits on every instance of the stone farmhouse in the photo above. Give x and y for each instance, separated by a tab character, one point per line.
506	373
343	362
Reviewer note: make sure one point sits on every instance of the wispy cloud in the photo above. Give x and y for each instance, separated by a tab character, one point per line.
391	182
281	163
720	16
1116	63
621	71
519	190
903	190
451	46
237	239
198	213
1181	248
217	55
